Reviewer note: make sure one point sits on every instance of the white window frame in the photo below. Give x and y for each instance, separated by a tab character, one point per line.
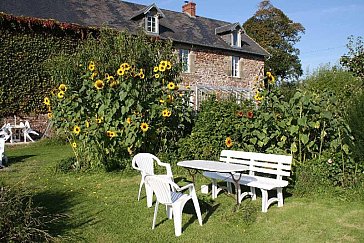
235	66
152	24
184	57
236	39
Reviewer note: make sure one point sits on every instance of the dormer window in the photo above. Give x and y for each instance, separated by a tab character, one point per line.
152	24
230	33
235	39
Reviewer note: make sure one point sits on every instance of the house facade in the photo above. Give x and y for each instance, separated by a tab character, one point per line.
214	54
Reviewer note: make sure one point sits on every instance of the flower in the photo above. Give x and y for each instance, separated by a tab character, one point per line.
239	114
76	130
98	120
329	161
128	120
161	101
111	134
94	74
141	75
269	74
114	83
171	86
60	94
156	75
87	124
162	68
74	145
166	113
257	97
99	84
169	98
50	115
62	87
130	151
46	101
163	64
228	142
125	66
169	65
120	72
49	109
250	114
155	69
91	66
144	127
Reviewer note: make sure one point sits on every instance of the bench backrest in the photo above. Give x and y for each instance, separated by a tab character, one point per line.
272	164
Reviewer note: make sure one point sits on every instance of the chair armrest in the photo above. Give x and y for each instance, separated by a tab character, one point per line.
188	186
168	168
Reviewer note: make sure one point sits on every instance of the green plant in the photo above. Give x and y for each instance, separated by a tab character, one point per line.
118	95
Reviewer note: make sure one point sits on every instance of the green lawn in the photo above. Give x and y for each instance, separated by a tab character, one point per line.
103	207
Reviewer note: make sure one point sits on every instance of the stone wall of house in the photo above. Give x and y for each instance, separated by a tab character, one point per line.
213	68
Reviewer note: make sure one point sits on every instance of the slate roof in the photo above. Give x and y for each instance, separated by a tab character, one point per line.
177	26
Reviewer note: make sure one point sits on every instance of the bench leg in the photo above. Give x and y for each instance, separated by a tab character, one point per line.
213	189
253	194
264	200
280	197
229	188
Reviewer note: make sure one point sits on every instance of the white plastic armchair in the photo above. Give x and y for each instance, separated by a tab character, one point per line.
144	162
27	130
5	132
2	152
170	194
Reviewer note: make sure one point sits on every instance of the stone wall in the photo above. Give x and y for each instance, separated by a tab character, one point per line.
213	68
38	122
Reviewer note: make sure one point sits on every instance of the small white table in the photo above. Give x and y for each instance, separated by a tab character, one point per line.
15	130
216	166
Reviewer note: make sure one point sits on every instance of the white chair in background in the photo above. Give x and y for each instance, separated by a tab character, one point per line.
169	194
2	153
27	130
144	162
5	132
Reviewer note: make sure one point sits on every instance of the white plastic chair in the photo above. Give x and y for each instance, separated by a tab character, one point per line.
144	162
2	153
27	130
169	194
5	132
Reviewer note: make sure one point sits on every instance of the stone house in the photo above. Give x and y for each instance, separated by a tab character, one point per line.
215	55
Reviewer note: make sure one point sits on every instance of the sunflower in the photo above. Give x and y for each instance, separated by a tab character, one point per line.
250	114
144	127
76	130
94	74
50	115
130	151
91	66
60	94
271	79
141	75
87	124
163	64
128	120
170	98
165	113
171	86
49	109
161	101
169	65
125	66
169	113
62	87
114	83
99	84
120	72
46	101
74	145
111	134
156	75
162	68
155	69
269	74
228	142
257	97
98	120
239	114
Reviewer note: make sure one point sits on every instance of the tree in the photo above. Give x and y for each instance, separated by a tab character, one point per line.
354	59
275	32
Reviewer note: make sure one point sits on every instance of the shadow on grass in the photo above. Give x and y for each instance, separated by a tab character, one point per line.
57	206
18	159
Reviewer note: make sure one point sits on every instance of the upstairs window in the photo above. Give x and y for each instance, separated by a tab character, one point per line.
184	60
235	67
152	24
235	39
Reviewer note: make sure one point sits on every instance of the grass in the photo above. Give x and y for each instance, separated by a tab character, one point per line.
103	207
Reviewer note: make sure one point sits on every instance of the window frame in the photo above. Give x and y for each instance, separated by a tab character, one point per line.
236	39
152	24
235	67
184	58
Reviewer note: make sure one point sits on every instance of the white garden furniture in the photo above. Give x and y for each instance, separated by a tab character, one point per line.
28	130
145	162
2	152
170	194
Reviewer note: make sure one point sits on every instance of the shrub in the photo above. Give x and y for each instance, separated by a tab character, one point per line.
118	95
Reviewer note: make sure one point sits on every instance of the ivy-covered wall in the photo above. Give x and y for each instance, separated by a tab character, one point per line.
25	46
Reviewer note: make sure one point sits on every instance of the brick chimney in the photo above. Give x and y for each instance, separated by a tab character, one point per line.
189	8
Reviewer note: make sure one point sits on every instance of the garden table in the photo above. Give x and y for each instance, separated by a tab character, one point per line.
194	166
15	131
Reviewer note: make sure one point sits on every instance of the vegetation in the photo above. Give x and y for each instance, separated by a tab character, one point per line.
354	59
103	206
117	96
278	34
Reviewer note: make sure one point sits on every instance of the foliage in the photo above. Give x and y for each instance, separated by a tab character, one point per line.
118	95
308	125
354	59
20	219
278	34
26	43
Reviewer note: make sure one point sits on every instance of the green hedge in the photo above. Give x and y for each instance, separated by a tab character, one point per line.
26	45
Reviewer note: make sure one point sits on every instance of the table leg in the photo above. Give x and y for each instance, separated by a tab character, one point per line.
192	173
237	187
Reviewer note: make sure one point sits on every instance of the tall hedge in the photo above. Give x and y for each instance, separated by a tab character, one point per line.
26	45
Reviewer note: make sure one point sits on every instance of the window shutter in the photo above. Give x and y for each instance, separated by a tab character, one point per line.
228	62
241	67
192	60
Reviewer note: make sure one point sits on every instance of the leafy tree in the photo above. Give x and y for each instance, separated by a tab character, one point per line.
354	59
275	32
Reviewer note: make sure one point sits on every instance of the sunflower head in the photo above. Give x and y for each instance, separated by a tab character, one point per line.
156	75
128	120
250	114
228	142
98	120
170	98
62	87
156	69
50	115
74	145
120	72
125	66
144	126
165	113
239	114
141	75
162	68
76	130
99	84
46	101
169	65
91	66
60	94
171	86
114	83
111	134
87	124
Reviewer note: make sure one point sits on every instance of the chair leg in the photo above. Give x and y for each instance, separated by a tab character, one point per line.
229	188
177	217
197	206
264	200
169	212
280	197
140	187
155	214
149	193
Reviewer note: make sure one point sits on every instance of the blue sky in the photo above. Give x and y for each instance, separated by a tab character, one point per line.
328	23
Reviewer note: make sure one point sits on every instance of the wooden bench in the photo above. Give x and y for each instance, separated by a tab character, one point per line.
266	172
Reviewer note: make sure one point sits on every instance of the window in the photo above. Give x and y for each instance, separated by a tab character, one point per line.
151	24
235	67
235	39
184	60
